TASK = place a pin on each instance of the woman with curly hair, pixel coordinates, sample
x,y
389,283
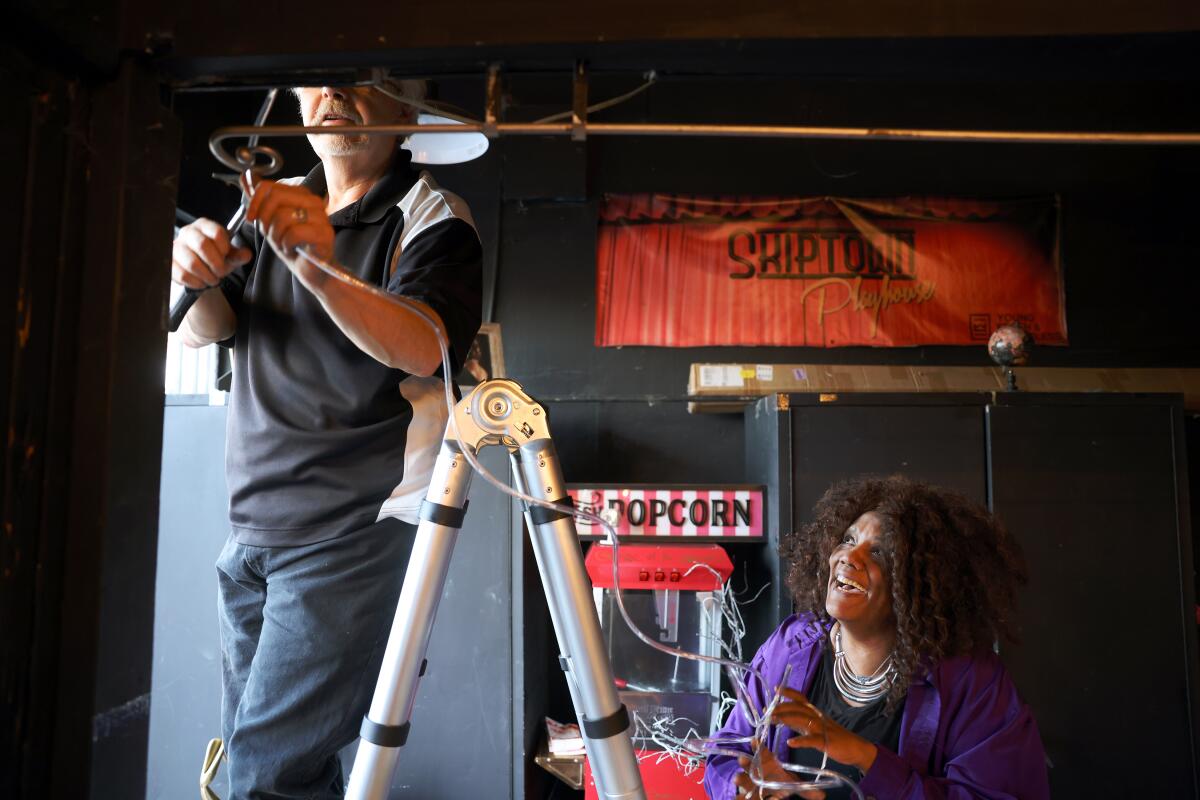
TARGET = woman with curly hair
x,y
902,591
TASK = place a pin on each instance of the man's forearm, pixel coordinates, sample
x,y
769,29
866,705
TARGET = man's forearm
x,y
392,336
210,319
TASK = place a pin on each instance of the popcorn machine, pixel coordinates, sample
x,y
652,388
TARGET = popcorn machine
x,y
671,592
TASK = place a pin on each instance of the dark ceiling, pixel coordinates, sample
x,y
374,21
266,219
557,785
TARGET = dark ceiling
x,y
233,41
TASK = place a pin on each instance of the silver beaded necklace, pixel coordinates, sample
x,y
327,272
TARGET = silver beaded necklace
x,y
862,689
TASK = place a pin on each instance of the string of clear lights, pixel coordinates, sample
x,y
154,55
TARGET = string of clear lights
x,y
818,778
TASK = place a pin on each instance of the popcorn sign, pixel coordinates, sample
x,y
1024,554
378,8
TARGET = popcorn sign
x,y
672,511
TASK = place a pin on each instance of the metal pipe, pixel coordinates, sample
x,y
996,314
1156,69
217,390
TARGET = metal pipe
x,y
902,134
683,129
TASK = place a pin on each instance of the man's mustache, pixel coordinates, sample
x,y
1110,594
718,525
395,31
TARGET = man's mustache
x,y
336,109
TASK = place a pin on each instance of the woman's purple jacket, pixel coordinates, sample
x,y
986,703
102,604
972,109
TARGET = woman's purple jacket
x,y
964,732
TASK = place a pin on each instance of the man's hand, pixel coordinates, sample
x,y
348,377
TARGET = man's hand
x,y
292,217
820,732
768,769
202,255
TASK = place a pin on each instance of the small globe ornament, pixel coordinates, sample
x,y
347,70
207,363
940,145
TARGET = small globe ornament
x,y
1011,346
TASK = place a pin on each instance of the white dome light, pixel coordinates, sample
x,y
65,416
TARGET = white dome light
x,y
444,148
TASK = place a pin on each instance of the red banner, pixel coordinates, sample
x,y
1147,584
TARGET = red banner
x,y
683,271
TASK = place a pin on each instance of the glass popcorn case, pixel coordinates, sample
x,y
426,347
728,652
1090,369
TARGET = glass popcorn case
x,y
670,592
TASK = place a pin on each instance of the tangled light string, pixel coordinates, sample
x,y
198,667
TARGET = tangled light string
x,y
259,161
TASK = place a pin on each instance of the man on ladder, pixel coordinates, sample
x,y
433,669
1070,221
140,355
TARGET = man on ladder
x,y
335,419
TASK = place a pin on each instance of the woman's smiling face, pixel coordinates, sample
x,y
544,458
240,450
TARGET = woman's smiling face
x,y
859,592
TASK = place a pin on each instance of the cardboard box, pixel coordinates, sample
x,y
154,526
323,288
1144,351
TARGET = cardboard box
x,y
717,388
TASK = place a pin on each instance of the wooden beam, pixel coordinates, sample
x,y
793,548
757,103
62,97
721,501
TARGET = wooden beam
x,y
725,388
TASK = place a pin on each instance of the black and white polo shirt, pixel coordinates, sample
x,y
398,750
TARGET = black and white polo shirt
x,y
323,439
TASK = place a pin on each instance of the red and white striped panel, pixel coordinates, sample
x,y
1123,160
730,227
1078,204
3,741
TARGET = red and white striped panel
x,y
670,512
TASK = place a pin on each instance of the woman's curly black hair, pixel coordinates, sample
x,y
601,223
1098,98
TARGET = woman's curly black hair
x,y
953,568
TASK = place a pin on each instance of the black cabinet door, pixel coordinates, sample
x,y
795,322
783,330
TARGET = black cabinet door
x,y
934,438
924,438
800,452
1090,489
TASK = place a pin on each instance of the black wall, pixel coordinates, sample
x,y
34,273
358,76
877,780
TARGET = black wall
x,y
89,182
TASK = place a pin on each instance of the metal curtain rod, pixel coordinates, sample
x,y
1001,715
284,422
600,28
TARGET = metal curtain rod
x,y
579,128
220,135
701,129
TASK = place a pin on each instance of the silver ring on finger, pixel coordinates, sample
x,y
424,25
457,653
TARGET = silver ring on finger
x,y
300,214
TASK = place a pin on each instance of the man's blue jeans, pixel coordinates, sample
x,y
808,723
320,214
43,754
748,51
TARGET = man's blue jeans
x,y
303,631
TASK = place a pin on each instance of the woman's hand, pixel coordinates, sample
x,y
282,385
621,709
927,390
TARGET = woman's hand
x,y
820,732
769,769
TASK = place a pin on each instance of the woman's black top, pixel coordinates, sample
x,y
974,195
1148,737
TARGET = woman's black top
x,y
871,722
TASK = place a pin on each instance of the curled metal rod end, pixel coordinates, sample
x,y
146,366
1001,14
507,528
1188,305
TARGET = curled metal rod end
x,y
258,159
